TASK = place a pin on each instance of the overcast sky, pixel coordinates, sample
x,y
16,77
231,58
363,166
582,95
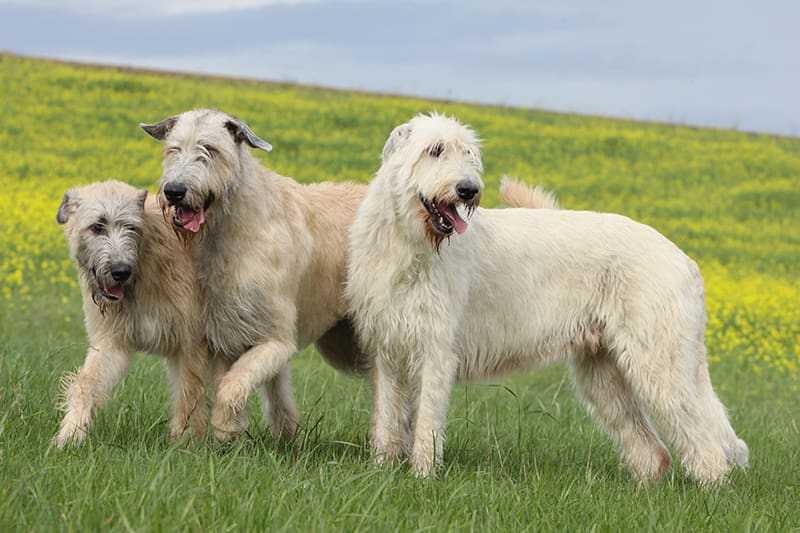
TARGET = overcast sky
x,y
730,64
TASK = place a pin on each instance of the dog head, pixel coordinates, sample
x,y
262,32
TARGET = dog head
x,y
203,154
435,164
103,225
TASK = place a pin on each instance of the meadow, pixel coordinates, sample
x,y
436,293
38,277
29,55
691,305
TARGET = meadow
x,y
522,454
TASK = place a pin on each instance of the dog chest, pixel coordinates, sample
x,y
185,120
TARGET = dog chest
x,y
236,322
148,329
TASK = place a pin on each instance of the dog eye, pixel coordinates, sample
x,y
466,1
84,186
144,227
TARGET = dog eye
x,y
436,150
212,152
172,150
98,228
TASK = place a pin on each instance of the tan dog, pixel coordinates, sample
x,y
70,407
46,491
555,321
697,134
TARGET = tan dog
x,y
139,294
270,255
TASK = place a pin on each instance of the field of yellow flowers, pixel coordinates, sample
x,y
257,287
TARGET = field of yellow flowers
x,y
729,199
521,456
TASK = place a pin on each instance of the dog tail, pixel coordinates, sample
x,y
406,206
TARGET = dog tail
x,y
514,193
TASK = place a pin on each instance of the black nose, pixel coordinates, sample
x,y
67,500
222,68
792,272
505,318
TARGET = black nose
x,y
120,271
174,192
466,189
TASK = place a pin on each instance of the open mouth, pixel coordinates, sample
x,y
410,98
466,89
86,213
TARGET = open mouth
x,y
191,219
115,292
444,217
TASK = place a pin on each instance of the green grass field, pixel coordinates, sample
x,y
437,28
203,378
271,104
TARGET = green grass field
x,y
522,455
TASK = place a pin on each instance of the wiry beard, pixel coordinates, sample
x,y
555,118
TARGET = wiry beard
x,y
434,238
438,227
168,213
103,305
100,302
94,285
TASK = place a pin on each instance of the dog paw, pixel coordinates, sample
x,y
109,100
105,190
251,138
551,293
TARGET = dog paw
x,y
73,429
284,429
184,432
423,469
385,459
226,423
424,465
708,470
228,417
741,454
69,437
647,466
386,453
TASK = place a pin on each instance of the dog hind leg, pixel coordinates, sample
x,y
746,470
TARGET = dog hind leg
x,y
672,398
736,450
611,403
278,406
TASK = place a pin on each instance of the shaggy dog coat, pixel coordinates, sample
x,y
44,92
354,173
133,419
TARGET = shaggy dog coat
x,y
437,297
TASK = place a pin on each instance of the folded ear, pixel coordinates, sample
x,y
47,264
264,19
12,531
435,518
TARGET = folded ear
x,y
396,139
141,197
160,130
242,132
69,203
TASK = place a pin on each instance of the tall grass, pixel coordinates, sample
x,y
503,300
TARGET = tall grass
x,y
522,455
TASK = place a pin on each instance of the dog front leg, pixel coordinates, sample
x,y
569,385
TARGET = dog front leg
x,y
187,372
87,390
259,364
389,410
438,374
219,368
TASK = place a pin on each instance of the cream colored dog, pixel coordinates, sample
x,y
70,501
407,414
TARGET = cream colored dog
x,y
437,296
270,255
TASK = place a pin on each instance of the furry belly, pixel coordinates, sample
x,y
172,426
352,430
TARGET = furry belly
x,y
488,366
532,349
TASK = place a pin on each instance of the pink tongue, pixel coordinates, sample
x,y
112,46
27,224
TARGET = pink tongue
x,y
117,292
189,219
459,224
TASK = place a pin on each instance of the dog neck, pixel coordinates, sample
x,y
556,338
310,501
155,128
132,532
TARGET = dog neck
x,y
257,197
388,222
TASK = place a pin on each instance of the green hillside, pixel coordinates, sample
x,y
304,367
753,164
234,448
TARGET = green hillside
x,y
521,455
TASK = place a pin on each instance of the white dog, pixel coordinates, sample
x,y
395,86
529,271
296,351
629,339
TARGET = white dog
x,y
520,287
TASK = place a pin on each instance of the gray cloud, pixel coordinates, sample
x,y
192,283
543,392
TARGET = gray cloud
x,y
711,63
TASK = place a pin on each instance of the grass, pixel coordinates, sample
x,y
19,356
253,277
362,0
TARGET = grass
x,y
521,456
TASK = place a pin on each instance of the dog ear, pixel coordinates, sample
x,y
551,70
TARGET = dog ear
x,y
242,132
160,130
141,197
398,136
69,203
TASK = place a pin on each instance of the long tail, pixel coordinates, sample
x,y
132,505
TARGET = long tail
x,y
514,193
